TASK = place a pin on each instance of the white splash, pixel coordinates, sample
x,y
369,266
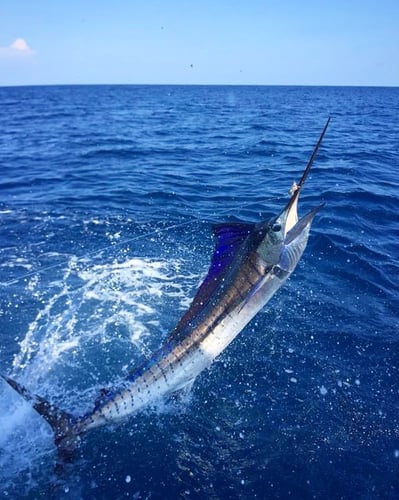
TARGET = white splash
x,y
96,304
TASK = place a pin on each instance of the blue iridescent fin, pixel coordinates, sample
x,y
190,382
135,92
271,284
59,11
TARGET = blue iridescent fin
x,y
229,238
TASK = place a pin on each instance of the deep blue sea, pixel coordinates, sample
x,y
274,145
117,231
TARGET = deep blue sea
x,y
107,199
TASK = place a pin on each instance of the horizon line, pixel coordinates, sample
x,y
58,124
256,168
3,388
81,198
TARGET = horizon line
x,y
195,85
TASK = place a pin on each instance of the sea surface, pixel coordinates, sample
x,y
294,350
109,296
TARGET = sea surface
x,y
107,199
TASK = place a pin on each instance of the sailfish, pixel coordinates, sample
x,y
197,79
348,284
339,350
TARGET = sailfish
x,y
249,264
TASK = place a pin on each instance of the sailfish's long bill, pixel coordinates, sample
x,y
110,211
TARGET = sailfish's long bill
x,y
249,264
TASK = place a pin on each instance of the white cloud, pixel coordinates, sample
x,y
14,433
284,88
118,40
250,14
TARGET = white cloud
x,y
17,48
20,44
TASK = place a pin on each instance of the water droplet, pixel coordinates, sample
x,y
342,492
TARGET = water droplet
x,y
323,390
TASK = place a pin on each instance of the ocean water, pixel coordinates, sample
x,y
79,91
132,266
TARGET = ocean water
x,y
107,199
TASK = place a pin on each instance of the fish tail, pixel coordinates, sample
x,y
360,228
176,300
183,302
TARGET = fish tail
x,y
64,424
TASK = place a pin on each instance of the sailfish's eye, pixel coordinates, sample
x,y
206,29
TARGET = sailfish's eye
x,y
276,227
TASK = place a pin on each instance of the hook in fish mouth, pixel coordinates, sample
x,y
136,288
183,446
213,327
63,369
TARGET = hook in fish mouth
x,y
288,218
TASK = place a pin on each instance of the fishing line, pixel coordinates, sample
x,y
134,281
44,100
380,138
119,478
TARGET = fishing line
x,y
156,232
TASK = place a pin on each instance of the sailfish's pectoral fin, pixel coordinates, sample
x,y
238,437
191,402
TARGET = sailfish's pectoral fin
x,y
258,286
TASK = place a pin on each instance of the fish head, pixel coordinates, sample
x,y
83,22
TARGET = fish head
x,y
284,237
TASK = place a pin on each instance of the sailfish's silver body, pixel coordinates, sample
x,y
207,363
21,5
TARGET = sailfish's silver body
x,y
206,335
249,264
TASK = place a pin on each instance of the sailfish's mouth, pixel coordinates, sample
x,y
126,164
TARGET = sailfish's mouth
x,y
289,215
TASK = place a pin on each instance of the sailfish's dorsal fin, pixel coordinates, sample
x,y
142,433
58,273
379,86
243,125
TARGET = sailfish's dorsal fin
x,y
103,394
229,238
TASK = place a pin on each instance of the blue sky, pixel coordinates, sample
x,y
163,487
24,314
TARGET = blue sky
x,y
269,42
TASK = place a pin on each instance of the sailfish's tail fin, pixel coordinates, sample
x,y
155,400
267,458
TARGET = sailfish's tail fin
x,y
66,434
